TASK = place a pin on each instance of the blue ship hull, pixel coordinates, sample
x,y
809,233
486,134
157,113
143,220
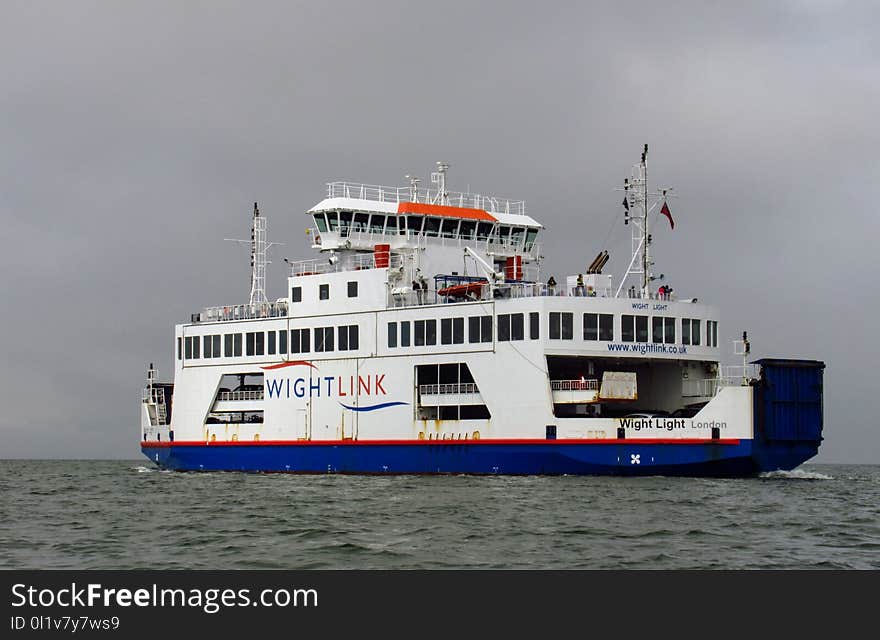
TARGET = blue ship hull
x,y
616,457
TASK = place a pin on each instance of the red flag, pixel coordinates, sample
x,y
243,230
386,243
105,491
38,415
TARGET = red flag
x,y
665,212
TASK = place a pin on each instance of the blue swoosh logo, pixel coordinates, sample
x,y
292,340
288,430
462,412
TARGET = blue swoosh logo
x,y
374,407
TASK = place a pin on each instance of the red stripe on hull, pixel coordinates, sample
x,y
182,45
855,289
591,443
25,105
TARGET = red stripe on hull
x,y
530,441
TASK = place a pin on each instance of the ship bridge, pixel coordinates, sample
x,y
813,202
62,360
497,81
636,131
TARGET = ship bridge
x,y
358,217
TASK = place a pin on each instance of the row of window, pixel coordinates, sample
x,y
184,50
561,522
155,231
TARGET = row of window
x,y
260,343
296,293
418,333
347,222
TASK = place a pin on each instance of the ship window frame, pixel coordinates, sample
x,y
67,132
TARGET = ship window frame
x,y
642,329
188,347
657,329
412,228
696,332
326,343
320,222
406,334
531,237
179,348
606,327
668,330
534,325
302,340
207,346
237,344
418,333
430,332
282,342
484,231
324,291
685,330
458,330
270,343
517,327
296,294
503,327
627,328
332,221
392,335
446,331
352,287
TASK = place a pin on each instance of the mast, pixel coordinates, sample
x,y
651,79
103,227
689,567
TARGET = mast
x,y
637,210
258,258
646,260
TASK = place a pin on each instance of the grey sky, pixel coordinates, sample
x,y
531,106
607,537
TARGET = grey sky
x,y
136,136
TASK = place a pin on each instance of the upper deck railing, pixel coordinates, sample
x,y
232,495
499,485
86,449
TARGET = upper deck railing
x,y
377,193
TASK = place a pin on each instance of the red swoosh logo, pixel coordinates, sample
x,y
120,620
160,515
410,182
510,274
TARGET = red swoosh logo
x,y
292,363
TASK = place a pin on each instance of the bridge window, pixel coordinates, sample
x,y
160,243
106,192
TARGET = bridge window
x,y
414,224
432,227
457,330
206,346
188,349
352,289
360,223
282,342
510,327
451,330
296,294
449,228
300,340
323,292
561,326
195,347
405,333
216,346
695,332
270,347
332,220
534,325
419,330
392,335
446,331
377,223
531,234
344,223
324,339
425,332
227,345
484,230
598,326
348,338
516,236
321,222
237,345
467,229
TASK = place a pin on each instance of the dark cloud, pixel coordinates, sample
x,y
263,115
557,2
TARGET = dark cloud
x,y
135,138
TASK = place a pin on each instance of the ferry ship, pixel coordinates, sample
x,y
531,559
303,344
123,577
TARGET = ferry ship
x,y
424,339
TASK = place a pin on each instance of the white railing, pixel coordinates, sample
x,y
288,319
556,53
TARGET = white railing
x,y
377,193
354,262
590,384
242,312
439,389
226,396
155,395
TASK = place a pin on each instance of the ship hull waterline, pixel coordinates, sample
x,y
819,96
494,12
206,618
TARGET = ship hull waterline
x,y
697,458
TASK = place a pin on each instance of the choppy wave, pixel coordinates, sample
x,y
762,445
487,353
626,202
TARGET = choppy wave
x,y
107,515
796,474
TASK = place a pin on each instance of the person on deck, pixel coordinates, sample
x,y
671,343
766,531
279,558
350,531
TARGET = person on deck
x,y
551,286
